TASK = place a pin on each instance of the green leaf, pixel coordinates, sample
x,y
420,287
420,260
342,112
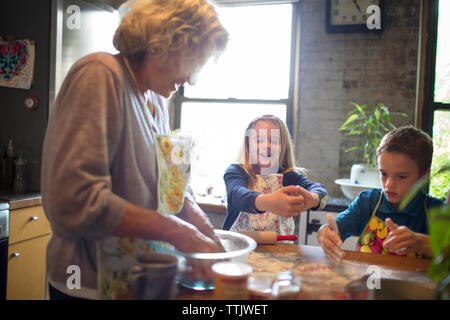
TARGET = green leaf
x,y
350,119
377,115
351,149
372,125
419,185
439,242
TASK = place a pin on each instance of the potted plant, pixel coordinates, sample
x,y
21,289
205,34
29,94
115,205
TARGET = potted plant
x,y
439,226
372,125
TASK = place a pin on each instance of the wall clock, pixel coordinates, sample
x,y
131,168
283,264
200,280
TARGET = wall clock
x,y
352,16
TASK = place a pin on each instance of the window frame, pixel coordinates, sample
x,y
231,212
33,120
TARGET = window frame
x,y
429,105
291,101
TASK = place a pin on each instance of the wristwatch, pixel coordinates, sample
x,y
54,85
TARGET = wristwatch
x,y
323,201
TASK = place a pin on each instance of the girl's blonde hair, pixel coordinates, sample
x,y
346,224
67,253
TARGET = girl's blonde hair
x,y
189,29
286,160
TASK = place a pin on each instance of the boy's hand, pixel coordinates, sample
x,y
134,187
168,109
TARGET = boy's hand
x,y
402,240
330,241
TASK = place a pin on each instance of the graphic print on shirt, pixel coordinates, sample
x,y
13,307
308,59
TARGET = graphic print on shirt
x,y
375,233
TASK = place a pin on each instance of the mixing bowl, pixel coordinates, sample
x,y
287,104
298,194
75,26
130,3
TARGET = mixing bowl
x,y
194,269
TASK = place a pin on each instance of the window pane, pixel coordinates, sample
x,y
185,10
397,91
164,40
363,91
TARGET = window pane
x,y
256,63
442,82
440,184
218,134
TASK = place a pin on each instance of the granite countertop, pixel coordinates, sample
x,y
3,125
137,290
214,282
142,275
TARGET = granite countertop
x,y
337,204
17,201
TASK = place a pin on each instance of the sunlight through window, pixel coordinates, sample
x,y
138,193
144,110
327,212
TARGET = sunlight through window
x,y
251,78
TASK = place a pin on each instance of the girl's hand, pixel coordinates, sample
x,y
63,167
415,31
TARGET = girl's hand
x,y
402,240
310,200
285,202
331,243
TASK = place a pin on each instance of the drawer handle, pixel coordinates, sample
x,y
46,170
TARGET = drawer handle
x,y
34,218
15,254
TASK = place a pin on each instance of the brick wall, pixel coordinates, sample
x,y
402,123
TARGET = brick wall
x,y
336,69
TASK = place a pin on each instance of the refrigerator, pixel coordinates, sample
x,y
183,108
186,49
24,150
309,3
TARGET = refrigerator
x,y
78,28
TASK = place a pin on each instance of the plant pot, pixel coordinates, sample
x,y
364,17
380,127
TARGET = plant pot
x,y
365,175
350,190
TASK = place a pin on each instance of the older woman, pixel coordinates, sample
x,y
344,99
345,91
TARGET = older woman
x,y
99,172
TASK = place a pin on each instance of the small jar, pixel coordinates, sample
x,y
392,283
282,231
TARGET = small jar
x,y
231,280
260,286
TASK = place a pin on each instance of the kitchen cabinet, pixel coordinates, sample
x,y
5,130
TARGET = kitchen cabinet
x,y
29,235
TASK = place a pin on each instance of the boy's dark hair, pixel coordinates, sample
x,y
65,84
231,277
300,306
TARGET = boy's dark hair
x,y
412,142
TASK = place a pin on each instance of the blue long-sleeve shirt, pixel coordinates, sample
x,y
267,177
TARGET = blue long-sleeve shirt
x,y
240,198
353,220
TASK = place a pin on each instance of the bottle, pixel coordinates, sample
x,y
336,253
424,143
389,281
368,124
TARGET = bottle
x,y
19,175
8,168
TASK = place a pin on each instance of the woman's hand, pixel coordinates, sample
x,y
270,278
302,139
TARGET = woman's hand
x,y
402,240
331,242
187,238
193,214
138,222
287,201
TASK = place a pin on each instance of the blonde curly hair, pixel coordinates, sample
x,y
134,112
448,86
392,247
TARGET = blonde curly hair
x,y
188,29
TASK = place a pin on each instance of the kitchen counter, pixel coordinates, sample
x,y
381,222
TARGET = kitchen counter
x,y
336,204
17,201
396,267
210,204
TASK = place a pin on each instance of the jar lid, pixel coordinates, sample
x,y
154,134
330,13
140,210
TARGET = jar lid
x,y
232,269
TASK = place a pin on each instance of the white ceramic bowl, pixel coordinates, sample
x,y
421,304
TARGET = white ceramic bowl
x,y
350,189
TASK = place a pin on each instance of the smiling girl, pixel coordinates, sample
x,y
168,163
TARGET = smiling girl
x,y
264,189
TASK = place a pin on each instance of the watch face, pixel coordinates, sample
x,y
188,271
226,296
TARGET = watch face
x,y
350,12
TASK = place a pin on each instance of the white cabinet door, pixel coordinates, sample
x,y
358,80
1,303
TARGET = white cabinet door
x,y
318,218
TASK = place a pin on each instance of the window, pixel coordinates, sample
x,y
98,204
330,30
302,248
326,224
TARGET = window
x,y
254,76
436,111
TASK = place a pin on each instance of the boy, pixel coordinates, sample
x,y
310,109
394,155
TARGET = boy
x,y
404,156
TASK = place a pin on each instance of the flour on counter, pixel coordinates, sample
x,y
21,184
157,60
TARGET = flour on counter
x,y
267,263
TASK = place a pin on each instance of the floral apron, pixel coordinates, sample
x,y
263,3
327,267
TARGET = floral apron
x,y
375,232
116,256
266,221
